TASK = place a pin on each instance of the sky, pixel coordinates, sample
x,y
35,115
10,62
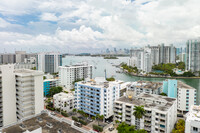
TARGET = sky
x,y
75,26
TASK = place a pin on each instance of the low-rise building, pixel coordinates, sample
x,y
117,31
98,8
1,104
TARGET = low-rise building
x,y
185,94
97,96
160,116
186,97
145,87
64,101
48,83
192,123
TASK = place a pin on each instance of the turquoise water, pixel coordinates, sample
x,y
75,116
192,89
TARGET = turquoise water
x,y
102,64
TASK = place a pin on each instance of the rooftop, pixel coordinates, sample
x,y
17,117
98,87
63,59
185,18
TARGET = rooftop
x,y
28,72
159,102
147,84
63,96
51,80
41,121
194,113
182,85
102,83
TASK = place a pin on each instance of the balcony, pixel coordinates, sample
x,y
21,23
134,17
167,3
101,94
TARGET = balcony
x,y
128,109
128,118
118,110
117,106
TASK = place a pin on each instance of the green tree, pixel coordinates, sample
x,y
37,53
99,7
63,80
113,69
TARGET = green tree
x,y
188,74
34,68
110,79
180,127
74,110
139,112
54,90
181,65
125,128
163,94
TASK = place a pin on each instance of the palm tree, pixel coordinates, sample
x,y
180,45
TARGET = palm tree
x,y
101,117
139,112
74,110
97,117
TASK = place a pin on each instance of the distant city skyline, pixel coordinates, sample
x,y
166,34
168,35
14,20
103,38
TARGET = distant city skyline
x,y
74,26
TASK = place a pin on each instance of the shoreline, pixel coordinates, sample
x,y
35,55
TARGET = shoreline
x,y
159,76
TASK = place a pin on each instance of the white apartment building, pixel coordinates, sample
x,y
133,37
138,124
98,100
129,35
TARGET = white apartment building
x,y
145,87
98,96
29,92
64,101
148,56
21,93
161,112
186,97
141,59
24,65
192,123
193,55
70,74
49,62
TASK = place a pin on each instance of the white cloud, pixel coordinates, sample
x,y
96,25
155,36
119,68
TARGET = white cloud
x,y
49,17
3,23
104,23
84,37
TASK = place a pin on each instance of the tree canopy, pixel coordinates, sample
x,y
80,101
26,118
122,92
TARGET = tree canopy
x,y
110,79
139,112
163,94
125,128
180,127
54,90
129,68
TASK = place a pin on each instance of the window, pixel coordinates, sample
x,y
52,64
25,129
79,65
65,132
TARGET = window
x,y
195,129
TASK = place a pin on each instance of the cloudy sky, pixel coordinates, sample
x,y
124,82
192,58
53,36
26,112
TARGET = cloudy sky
x,y
92,25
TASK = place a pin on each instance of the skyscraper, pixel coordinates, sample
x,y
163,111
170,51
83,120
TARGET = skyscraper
x,y
49,62
193,55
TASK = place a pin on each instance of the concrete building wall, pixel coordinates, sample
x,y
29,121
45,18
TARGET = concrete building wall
x,y
8,94
38,90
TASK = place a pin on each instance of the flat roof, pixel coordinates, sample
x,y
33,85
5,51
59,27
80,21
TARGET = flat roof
x,y
194,113
50,80
159,102
103,84
28,72
183,85
147,84
33,124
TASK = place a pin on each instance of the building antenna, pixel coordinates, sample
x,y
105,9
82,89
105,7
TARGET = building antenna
x,y
105,74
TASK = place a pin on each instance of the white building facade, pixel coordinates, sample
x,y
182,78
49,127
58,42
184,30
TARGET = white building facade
x,y
21,94
148,56
145,87
186,97
193,55
49,62
160,117
97,96
64,101
70,74
192,123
